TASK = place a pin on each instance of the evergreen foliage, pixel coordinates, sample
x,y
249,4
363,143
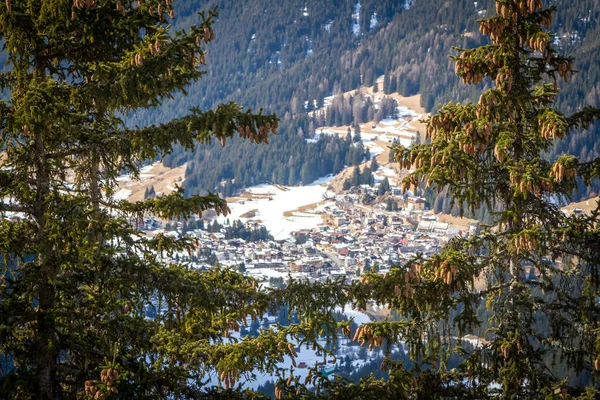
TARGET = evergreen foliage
x,y
384,187
77,281
540,267
238,230
359,178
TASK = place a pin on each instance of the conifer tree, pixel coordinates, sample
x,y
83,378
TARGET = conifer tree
x,y
534,274
384,187
77,281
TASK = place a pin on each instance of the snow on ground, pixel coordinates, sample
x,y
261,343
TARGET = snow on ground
x,y
375,151
406,112
323,180
266,272
277,200
124,178
388,121
148,168
144,173
385,172
122,194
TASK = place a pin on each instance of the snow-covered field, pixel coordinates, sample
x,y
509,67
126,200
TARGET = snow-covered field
x,y
385,172
275,201
122,194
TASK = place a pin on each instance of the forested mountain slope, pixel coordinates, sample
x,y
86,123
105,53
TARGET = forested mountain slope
x,y
286,58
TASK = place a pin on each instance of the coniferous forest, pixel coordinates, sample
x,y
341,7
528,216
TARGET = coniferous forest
x,y
289,62
93,308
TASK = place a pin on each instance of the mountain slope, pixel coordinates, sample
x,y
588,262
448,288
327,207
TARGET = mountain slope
x,y
287,58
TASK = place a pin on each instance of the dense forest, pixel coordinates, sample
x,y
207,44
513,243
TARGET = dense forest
x,y
289,62
289,161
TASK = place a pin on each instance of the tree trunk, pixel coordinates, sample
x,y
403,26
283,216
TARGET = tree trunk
x,y
46,352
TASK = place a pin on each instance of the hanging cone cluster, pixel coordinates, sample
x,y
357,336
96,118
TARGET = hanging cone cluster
x,y
446,271
440,122
92,391
262,136
232,325
538,42
308,378
525,242
154,48
229,378
120,8
108,377
411,277
494,28
418,161
137,60
465,68
409,183
170,12
500,152
404,158
202,58
80,4
504,81
560,172
289,350
278,392
384,365
505,350
347,330
208,35
479,138
192,59
222,209
514,8
522,183
493,61
365,334
487,102
472,148
552,129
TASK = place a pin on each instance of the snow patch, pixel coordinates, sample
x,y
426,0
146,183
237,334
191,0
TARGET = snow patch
x,y
122,194
374,21
356,20
276,201
388,121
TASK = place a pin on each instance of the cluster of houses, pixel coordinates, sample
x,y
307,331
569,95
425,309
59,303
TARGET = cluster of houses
x,y
352,239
